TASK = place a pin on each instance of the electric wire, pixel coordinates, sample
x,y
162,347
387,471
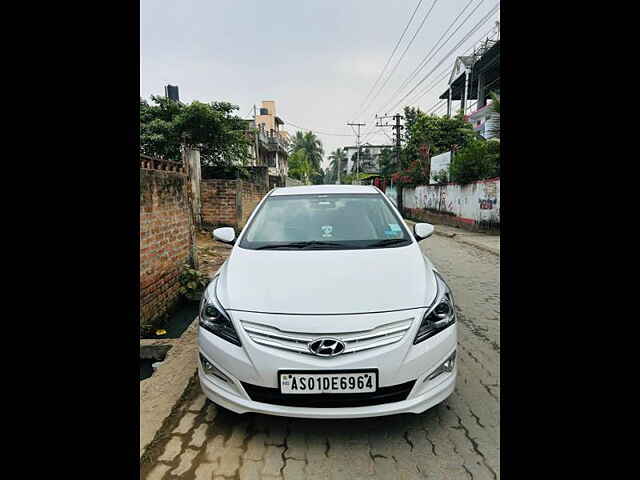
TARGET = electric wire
x,y
449,53
429,56
384,69
370,103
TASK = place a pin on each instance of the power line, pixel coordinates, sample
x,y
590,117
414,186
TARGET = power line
x,y
358,147
424,92
429,56
444,72
450,52
317,131
390,57
402,56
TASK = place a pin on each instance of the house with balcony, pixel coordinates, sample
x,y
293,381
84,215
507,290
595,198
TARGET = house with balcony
x,y
269,147
474,77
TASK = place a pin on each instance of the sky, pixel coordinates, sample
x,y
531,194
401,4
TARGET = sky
x,y
317,59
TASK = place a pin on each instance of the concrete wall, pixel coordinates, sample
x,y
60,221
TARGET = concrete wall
x,y
229,202
166,239
475,206
392,193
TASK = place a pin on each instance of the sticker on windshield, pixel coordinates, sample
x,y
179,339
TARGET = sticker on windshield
x,y
393,230
327,231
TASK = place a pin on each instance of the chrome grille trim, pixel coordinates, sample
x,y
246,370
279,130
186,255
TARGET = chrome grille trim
x,y
356,341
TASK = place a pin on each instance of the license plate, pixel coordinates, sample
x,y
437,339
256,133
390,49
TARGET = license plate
x,y
328,382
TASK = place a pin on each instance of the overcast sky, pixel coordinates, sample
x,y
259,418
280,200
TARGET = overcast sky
x,y
317,59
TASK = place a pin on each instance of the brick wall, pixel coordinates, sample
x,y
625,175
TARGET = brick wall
x,y
229,202
251,196
166,239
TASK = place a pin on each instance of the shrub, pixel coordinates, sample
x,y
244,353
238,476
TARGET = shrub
x,y
480,159
441,176
193,282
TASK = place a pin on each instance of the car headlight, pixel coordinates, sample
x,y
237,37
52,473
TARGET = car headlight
x,y
215,319
439,315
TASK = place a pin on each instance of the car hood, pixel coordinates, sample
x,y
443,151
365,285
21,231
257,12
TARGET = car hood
x,y
326,281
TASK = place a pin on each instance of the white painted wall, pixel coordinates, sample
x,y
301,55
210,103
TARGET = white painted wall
x,y
392,193
479,201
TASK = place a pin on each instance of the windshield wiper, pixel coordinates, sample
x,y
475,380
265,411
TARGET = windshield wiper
x,y
387,241
302,245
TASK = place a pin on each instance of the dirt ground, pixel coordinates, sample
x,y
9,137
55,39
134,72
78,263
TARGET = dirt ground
x,y
211,253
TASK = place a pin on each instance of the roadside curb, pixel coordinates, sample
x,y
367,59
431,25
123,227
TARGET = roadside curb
x,y
161,393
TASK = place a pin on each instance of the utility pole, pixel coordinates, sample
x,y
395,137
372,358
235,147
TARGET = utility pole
x,y
255,124
397,127
358,147
339,163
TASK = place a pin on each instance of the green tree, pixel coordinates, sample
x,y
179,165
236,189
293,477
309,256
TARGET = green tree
x,y
212,128
440,133
478,160
388,162
441,176
300,166
338,159
312,146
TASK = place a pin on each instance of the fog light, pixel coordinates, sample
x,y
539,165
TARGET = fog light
x,y
445,367
210,369
449,363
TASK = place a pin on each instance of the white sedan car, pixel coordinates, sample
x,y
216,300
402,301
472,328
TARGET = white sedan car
x,y
327,308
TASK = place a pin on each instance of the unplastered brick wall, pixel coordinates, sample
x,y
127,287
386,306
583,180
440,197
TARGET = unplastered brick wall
x,y
166,240
251,196
229,202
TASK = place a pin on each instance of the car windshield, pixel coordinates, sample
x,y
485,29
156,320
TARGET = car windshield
x,y
325,221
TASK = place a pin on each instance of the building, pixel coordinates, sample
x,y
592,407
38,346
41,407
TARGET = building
x,y
272,141
482,121
474,77
369,158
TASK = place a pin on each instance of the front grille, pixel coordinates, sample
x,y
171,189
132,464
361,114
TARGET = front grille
x,y
394,393
354,341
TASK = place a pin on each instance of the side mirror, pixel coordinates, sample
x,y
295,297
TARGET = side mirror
x,y
422,230
225,235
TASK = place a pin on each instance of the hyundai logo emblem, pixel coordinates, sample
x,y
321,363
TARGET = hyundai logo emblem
x,y
326,347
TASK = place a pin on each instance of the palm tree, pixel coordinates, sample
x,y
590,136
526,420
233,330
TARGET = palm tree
x,y
311,145
300,167
337,157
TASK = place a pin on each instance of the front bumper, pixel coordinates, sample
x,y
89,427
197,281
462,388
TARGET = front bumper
x,y
397,364
419,404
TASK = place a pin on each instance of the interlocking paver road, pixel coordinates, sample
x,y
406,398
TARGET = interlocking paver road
x,y
457,440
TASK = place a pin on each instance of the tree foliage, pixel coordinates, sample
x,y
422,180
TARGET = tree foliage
x,y
388,162
338,160
440,133
441,176
211,127
300,166
312,146
480,159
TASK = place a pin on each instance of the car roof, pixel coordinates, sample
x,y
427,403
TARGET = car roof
x,y
324,189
